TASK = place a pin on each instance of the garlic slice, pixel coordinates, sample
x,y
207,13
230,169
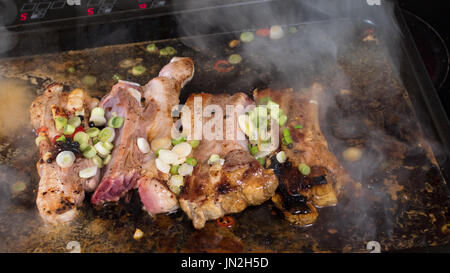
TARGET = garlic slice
x,y
162,166
65,159
168,156
143,145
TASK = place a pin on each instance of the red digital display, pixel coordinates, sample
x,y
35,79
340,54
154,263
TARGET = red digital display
x,y
90,11
143,6
24,16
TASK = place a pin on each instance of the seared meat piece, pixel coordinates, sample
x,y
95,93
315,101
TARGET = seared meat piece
x,y
219,141
61,190
215,190
129,168
161,96
309,145
122,172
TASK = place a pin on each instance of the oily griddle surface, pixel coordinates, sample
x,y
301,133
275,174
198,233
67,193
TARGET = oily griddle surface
x,y
400,201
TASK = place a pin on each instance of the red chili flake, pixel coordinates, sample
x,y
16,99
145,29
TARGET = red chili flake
x,y
55,138
369,31
78,129
223,66
263,32
42,129
226,221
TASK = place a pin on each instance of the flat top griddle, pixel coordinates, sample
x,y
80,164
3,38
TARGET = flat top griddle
x,y
403,200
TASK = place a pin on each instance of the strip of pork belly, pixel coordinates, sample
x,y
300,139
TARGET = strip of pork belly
x,y
215,190
161,95
123,171
60,190
309,145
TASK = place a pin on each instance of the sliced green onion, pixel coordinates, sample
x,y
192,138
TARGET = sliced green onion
x,y
304,169
89,80
65,159
194,143
292,30
234,59
18,187
39,139
287,136
167,51
108,145
115,122
81,137
97,161
247,37
185,169
61,138
176,141
281,157
174,169
298,127
151,48
170,50
254,150
276,32
83,146
157,152
261,161
214,158
98,120
69,129
116,77
95,140
138,70
101,149
106,134
75,121
89,152
175,184
60,122
264,100
191,161
71,69
97,111
107,159
282,120
92,132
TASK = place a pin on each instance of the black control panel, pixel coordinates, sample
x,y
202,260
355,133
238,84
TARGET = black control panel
x,y
38,11
29,12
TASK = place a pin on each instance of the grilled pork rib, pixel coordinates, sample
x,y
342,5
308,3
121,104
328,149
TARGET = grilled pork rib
x,y
161,95
122,172
309,147
60,190
129,168
215,190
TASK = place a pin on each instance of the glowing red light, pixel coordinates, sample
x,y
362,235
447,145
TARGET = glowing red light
x,y
143,6
23,16
90,11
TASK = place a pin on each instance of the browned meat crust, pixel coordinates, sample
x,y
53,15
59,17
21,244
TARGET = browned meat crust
x,y
60,190
309,147
215,190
